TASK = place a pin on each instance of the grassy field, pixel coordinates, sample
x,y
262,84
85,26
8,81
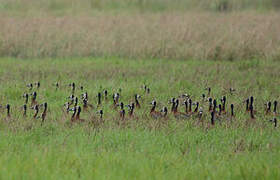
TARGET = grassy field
x,y
173,47
142,148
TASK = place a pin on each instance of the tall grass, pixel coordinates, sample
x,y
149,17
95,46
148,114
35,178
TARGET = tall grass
x,y
230,36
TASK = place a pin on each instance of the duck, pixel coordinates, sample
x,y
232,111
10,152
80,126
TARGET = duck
x,y
73,117
131,109
30,86
210,104
196,107
275,107
268,108
77,118
164,110
190,106
136,98
99,99
85,96
105,92
26,96
24,110
153,113
86,105
213,118
252,111
44,113
8,107
37,84
179,115
224,104
100,112
122,111
116,97
247,105
186,103
33,99
36,108
71,99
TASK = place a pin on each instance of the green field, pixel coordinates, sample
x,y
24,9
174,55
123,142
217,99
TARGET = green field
x,y
142,147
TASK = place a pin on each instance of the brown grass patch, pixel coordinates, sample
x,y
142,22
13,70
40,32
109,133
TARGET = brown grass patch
x,y
218,36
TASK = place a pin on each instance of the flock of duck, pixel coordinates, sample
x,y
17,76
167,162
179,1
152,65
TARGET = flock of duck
x,y
216,108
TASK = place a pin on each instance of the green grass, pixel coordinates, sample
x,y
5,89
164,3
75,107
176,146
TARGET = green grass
x,y
62,7
143,148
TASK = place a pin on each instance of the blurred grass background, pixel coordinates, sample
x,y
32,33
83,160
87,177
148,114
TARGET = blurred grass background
x,y
165,29
74,6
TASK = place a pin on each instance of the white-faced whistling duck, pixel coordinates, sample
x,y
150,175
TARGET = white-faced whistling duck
x,y
86,105
190,106
200,113
24,110
26,96
179,115
164,111
76,101
77,118
105,92
212,118
172,101
85,95
220,110
33,99
214,105
122,111
247,105
116,97
251,104
252,111
186,103
131,109
275,107
232,110
274,120
137,97
210,104
100,114
8,110
71,99
30,85
99,99
38,84
36,108
224,99
67,107
153,113
73,117
268,108
44,113
196,107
